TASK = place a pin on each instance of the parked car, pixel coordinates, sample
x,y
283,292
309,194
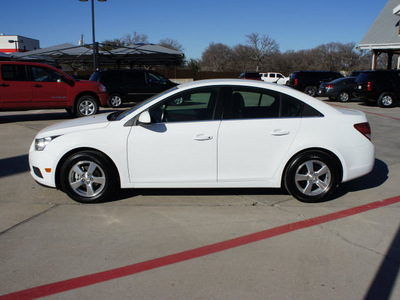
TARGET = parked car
x,y
341,89
355,73
250,75
380,86
309,81
274,78
28,85
230,133
131,85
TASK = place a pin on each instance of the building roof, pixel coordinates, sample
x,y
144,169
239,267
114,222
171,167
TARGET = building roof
x,y
384,33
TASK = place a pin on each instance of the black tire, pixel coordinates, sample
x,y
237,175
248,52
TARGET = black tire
x,y
115,100
343,96
311,91
86,106
88,177
386,100
311,176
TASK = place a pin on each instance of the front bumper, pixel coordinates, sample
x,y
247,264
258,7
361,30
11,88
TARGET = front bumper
x,y
42,166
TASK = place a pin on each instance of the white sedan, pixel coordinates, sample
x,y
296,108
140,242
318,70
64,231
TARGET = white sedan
x,y
208,134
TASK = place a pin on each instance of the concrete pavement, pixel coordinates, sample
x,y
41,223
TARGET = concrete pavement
x,y
45,237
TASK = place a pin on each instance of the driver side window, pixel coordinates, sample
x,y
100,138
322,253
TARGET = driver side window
x,y
197,105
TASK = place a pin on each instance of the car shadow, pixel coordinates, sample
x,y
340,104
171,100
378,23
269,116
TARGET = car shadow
x,y
14,165
375,178
47,116
131,193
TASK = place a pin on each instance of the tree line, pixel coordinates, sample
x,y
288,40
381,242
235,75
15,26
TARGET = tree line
x,y
261,53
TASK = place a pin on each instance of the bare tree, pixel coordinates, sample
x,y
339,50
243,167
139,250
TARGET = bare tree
x,y
216,57
261,46
135,38
171,44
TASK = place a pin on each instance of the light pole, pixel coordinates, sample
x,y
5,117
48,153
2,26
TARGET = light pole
x,y
95,46
16,44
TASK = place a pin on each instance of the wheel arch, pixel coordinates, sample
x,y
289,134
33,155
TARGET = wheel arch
x,y
87,93
76,150
316,149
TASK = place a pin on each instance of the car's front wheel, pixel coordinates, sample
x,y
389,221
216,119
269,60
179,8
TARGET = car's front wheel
x,y
88,177
386,100
86,106
311,176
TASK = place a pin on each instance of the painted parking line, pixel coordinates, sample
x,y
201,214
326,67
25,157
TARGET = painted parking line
x,y
78,282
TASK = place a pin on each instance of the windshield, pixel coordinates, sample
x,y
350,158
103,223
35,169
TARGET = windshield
x,y
120,115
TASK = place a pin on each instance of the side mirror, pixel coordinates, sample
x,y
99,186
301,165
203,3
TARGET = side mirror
x,y
145,118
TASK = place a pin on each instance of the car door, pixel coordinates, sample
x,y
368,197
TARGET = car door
x,y
135,86
15,89
48,89
180,145
256,132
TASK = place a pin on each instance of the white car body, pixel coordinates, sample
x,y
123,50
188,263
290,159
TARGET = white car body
x,y
211,153
273,77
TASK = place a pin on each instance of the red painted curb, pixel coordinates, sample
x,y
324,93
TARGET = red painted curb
x,y
78,282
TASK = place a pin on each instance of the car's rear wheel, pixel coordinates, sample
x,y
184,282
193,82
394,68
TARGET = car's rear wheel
x,y
310,90
311,176
115,100
88,177
86,106
343,96
386,100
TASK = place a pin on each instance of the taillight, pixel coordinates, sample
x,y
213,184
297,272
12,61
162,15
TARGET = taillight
x,y
296,82
364,128
329,86
369,86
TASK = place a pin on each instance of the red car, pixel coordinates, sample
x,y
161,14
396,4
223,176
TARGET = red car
x,y
25,85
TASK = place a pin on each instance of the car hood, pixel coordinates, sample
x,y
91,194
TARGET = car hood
x,y
85,123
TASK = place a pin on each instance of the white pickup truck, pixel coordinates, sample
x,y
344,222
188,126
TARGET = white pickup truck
x,y
274,78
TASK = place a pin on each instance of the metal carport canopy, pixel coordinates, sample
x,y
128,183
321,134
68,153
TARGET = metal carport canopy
x,y
139,54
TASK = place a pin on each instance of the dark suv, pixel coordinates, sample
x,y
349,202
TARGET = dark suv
x,y
309,81
380,86
131,85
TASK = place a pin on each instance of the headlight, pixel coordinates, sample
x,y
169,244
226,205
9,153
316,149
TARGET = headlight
x,y
40,144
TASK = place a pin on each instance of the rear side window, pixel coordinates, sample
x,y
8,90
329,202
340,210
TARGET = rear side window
x,y
14,73
134,79
113,77
250,103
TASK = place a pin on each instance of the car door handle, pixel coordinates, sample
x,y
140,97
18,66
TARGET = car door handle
x,y
4,85
37,85
203,137
280,132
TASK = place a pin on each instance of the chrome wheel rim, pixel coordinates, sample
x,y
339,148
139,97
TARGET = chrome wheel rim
x,y
343,97
313,178
116,101
87,108
87,179
387,100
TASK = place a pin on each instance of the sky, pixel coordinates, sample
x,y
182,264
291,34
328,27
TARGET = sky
x,y
293,24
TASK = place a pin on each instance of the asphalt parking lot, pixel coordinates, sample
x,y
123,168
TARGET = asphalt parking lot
x,y
199,244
